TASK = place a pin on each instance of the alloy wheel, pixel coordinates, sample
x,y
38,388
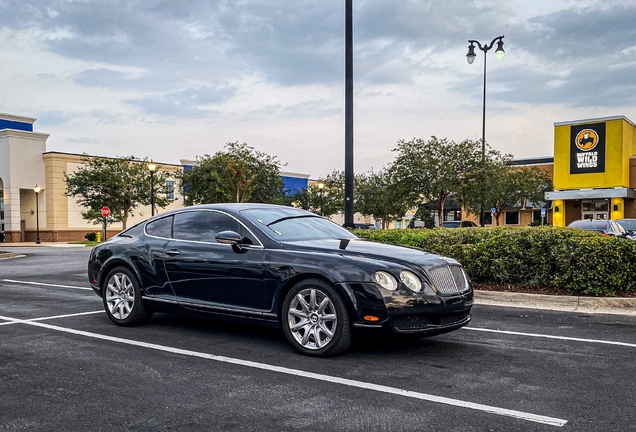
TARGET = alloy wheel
x,y
120,296
312,319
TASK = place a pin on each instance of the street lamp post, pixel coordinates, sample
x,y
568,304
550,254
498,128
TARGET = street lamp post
x,y
152,167
321,186
37,190
499,53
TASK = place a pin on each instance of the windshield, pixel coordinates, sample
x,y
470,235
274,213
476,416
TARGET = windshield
x,y
294,224
629,225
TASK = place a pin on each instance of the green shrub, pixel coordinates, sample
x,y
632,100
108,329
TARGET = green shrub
x,y
564,259
91,236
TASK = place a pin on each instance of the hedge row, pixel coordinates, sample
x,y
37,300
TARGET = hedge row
x,y
563,259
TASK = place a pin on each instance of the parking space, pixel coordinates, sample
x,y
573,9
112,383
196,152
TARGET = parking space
x,y
69,367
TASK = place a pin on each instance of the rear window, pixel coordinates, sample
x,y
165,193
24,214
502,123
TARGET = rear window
x,y
160,228
589,225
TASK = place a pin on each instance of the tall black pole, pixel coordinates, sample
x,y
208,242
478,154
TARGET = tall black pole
x,y
37,218
348,114
482,220
152,193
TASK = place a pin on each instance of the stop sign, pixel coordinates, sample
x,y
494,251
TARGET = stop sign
x,y
105,211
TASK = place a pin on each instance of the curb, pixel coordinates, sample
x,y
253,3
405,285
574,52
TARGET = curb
x,y
599,305
43,244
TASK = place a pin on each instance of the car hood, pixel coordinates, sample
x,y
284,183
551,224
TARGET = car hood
x,y
371,250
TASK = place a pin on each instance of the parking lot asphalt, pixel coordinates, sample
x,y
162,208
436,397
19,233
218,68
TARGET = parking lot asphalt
x,y
63,365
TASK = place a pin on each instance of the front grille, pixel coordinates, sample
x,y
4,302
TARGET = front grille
x,y
448,279
453,318
410,322
422,321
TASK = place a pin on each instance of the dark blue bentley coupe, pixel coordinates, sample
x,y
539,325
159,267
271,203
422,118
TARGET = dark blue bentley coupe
x,y
277,266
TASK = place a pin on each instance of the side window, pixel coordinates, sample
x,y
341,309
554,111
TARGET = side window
x,y
160,228
203,226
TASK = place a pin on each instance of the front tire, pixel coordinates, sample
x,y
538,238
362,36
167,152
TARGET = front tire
x,y
122,298
316,320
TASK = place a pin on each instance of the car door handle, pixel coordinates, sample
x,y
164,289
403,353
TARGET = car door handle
x,y
172,252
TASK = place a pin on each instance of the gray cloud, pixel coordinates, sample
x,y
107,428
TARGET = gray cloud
x,y
189,52
184,103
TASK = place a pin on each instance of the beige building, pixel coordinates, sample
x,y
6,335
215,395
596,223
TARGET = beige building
x,y
25,164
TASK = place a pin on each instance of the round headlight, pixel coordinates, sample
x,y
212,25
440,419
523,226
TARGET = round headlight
x,y
411,281
385,280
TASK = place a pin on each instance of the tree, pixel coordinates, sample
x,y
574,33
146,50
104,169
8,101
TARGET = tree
x,y
122,184
238,174
424,215
434,169
379,195
332,195
505,185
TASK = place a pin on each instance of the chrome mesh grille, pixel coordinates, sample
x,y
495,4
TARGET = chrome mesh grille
x,y
422,321
448,279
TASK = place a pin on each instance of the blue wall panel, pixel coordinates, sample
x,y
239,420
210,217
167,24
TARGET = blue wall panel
x,y
7,124
294,184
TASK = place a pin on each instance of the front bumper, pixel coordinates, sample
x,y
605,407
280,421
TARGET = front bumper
x,y
405,312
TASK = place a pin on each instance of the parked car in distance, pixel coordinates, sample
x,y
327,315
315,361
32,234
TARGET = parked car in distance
x,y
606,227
629,225
364,226
281,267
458,224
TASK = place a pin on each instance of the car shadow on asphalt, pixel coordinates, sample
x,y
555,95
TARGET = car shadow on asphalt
x,y
240,336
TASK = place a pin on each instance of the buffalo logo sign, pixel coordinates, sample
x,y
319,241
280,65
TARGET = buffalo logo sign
x,y
587,139
587,148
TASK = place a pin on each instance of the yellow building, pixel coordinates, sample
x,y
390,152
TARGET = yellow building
x,y
594,170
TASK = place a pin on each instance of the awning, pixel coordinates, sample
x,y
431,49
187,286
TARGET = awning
x,y
620,192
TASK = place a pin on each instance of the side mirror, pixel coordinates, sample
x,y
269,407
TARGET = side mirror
x,y
232,238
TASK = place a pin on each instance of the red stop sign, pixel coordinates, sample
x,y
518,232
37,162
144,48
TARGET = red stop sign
x,y
105,211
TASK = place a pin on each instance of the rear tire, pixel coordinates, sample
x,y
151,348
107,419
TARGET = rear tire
x,y
316,319
122,298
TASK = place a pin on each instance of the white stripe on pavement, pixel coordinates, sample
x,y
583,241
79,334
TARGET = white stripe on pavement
x,y
45,284
551,337
303,374
12,321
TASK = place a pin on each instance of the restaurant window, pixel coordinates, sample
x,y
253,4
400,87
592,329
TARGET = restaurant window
x,y
512,218
170,189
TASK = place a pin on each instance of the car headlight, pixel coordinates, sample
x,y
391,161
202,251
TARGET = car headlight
x,y
411,281
385,280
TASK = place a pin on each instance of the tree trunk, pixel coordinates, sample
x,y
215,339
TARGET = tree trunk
x,y
440,209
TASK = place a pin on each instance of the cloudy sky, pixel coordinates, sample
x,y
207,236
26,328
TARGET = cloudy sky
x,y
170,80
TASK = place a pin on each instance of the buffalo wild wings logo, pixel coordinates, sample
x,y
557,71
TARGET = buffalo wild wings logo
x,y
586,140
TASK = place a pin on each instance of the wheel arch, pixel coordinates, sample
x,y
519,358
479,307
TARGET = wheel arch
x,y
111,265
346,293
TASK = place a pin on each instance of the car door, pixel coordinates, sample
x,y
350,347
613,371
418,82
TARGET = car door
x,y
210,276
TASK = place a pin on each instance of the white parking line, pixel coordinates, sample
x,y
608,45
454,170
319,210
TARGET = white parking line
x,y
304,374
551,337
14,321
45,284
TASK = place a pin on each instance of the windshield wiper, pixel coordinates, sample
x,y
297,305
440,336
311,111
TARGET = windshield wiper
x,y
289,217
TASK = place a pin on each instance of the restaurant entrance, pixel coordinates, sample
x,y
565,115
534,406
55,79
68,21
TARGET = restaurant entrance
x,y
595,209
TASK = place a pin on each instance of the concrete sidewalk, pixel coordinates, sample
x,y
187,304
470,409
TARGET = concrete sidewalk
x,y
599,305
